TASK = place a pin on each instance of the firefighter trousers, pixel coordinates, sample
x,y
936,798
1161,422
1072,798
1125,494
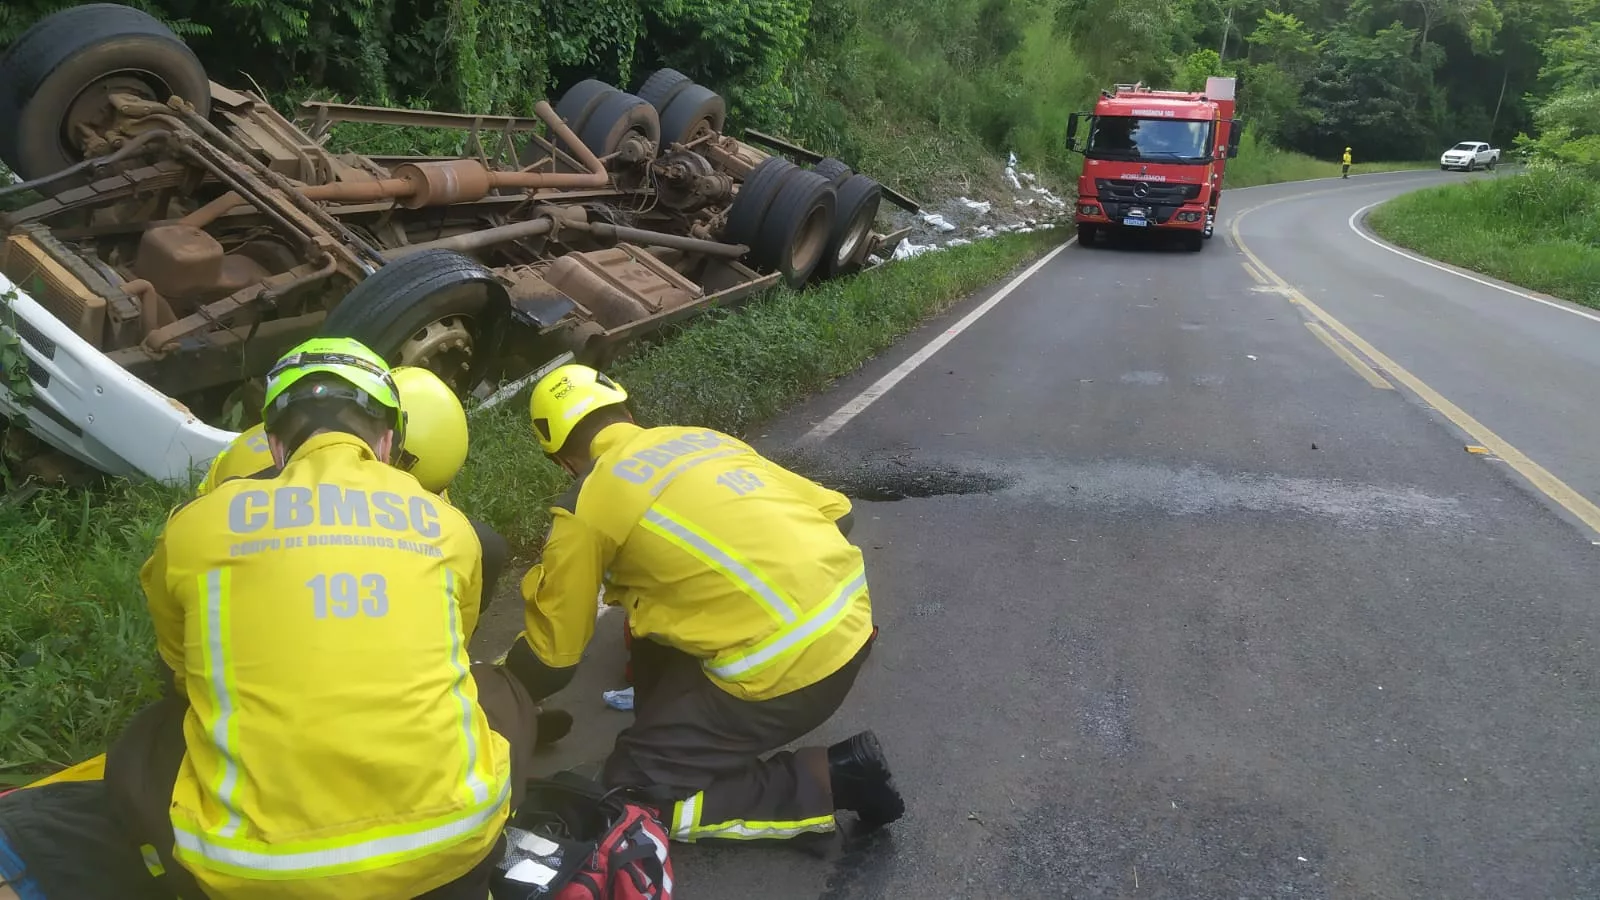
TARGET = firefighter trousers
x,y
695,750
142,767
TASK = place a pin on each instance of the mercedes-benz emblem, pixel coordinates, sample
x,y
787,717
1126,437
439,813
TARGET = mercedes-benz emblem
x,y
1141,190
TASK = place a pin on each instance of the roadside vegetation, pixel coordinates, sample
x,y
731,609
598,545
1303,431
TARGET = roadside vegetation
x,y
76,648
1262,163
1541,229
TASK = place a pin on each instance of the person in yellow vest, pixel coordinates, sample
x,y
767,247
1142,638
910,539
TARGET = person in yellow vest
x,y
1347,162
747,605
436,448
326,734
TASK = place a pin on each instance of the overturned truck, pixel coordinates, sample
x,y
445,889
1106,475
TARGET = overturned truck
x,y
171,237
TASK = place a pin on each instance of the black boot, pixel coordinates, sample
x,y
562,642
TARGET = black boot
x,y
861,780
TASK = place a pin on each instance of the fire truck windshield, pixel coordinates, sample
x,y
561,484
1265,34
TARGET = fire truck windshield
x,y
1166,140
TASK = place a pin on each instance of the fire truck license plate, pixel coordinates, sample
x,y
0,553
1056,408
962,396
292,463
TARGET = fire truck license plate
x,y
1136,219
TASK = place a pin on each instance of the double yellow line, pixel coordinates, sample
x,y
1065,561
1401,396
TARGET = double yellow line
x,y
1579,506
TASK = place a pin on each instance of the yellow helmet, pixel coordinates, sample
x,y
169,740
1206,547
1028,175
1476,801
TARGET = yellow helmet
x,y
436,427
562,398
247,455
436,436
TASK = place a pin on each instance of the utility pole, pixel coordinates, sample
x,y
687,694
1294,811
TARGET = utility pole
x,y
1227,29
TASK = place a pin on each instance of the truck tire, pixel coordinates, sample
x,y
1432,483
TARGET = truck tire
x,y
855,212
834,170
52,76
574,108
793,239
1087,234
616,117
1493,161
1193,241
694,110
580,100
755,195
436,308
662,86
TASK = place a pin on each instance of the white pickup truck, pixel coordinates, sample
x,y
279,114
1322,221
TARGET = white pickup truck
x,y
1469,155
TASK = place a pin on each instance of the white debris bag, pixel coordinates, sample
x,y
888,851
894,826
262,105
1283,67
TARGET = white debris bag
x,y
957,242
938,222
981,208
907,250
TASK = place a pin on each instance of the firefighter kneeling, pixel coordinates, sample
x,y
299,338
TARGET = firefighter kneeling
x,y
747,605
327,735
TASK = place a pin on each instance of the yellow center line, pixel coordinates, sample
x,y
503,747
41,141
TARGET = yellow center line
x,y
1354,361
1259,278
1562,494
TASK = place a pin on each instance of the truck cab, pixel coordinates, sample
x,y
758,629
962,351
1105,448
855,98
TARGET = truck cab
x,y
1154,160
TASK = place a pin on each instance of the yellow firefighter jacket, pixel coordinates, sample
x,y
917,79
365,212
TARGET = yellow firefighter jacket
x,y
317,620
711,549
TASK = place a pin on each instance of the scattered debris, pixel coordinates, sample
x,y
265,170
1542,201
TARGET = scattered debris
x,y
619,700
939,222
907,250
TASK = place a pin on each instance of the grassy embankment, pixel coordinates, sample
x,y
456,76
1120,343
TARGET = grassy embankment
x,y
1540,230
76,649
1261,163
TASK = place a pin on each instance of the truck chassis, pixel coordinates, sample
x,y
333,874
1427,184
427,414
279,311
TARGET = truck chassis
x,y
174,236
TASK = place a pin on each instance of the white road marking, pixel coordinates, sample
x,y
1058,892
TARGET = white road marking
x,y
1555,304
831,425
855,407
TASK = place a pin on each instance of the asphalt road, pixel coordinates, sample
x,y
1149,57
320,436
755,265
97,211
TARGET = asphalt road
x,y
1214,612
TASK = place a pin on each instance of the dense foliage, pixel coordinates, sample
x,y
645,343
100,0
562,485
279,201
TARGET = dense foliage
x,y
1393,78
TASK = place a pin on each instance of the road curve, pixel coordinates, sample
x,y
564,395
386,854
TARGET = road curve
x,y
1185,595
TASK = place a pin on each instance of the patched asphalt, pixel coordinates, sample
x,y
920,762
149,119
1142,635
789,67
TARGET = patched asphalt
x,y
1175,604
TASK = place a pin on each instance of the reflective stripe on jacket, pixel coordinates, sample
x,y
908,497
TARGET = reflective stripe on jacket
x,y
711,549
318,620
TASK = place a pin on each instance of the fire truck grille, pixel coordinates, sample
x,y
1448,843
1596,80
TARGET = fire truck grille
x,y
1160,201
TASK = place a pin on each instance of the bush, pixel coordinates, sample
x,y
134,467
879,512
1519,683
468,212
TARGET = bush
x,y
1540,230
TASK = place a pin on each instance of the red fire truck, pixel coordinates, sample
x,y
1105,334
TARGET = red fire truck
x,y
1153,160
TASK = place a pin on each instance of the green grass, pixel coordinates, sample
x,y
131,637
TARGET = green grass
x,y
77,654
1261,163
1540,230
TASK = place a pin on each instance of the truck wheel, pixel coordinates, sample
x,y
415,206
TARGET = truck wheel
x,y
755,195
57,77
615,118
694,111
834,170
793,238
1491,164
855,212
662,85
580,100
1087,234
436,309
1194,241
